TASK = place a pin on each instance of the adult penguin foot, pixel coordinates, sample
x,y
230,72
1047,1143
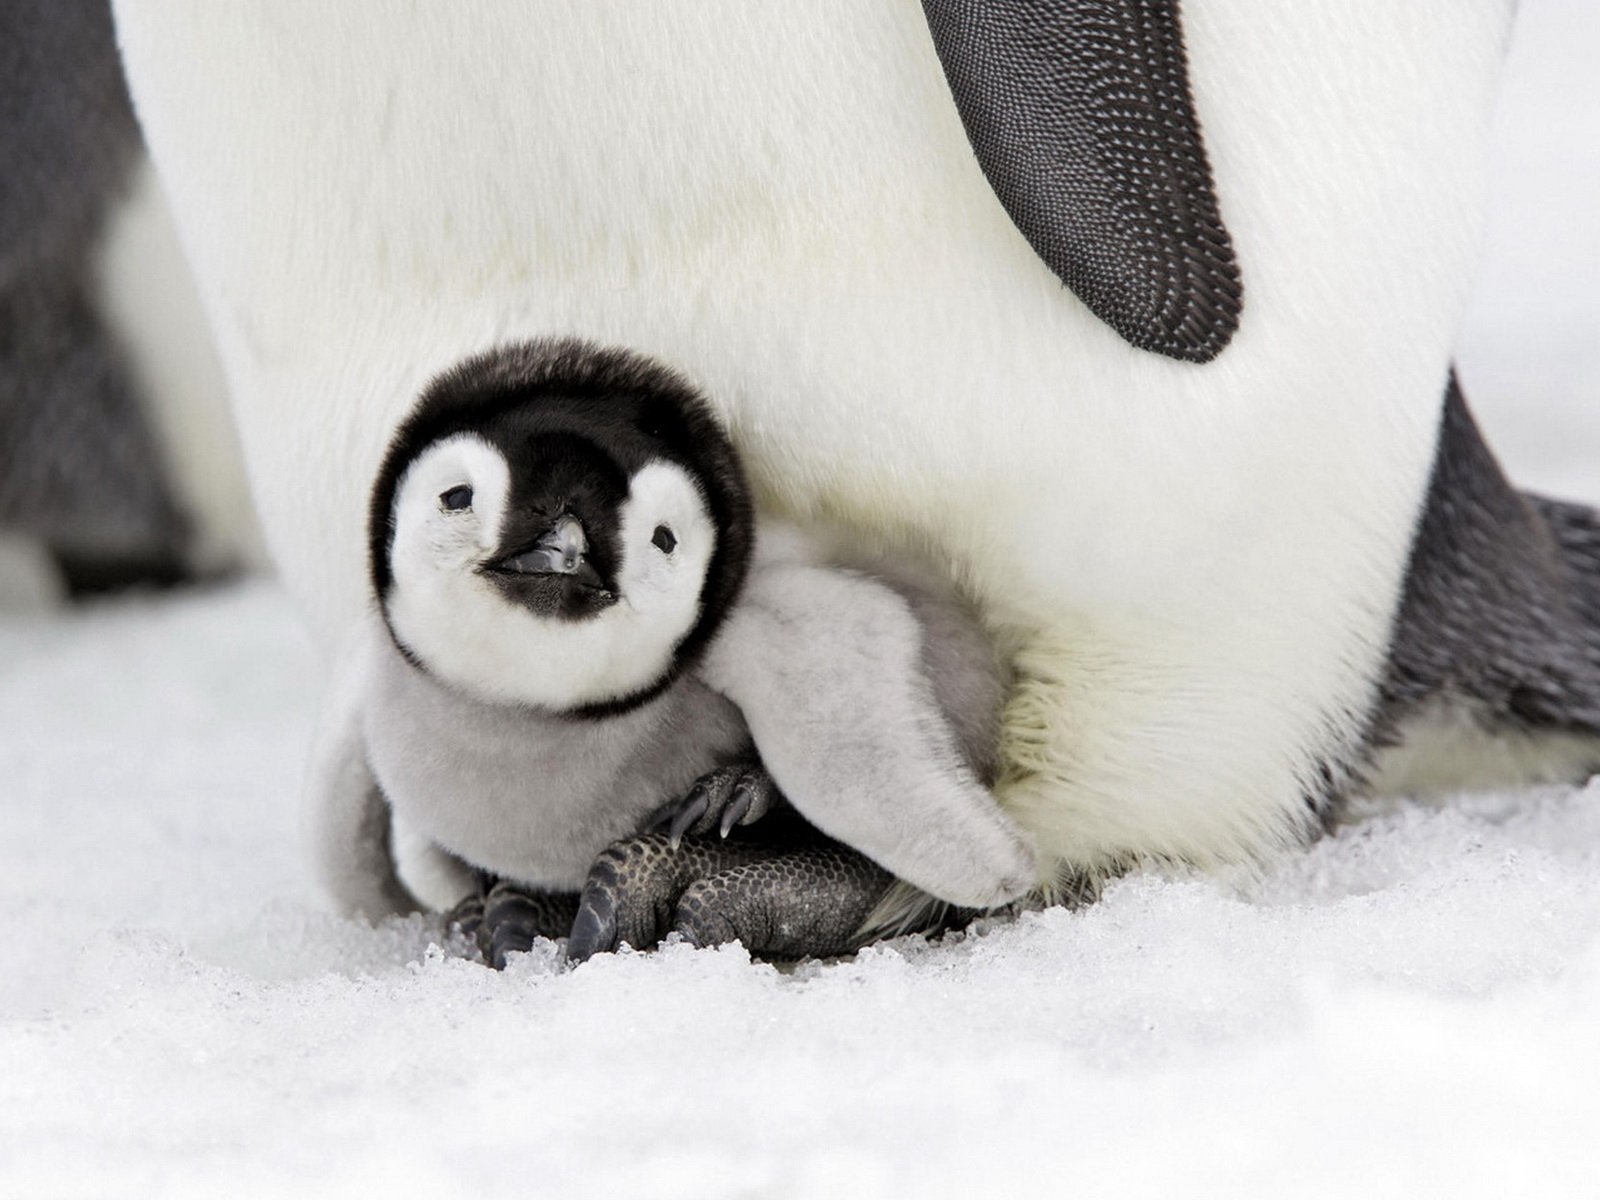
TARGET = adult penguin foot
x,y
783,902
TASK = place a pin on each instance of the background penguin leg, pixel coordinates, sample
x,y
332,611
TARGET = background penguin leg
x,y
1499,626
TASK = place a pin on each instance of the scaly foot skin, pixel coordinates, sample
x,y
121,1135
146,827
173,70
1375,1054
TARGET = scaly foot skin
x,y
738,794
505,917
791,901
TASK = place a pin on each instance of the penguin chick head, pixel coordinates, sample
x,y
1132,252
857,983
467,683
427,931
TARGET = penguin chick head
x,y
558,526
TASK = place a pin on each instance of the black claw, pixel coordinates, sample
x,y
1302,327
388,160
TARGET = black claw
x,y
737,794
669,814
693,809
738,808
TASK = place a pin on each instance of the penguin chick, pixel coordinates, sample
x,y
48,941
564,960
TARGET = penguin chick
x,y
574,625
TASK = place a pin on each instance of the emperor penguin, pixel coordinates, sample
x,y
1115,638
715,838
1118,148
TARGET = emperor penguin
x,y
565,649
1137,317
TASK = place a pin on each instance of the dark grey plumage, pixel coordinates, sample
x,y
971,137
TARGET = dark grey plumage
x,y
79,467
1081,117
1501,606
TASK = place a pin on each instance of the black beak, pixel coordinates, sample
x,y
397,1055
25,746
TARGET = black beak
x,y
561,550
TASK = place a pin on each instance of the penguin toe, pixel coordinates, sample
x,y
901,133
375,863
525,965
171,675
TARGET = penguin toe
x,y
633,889
512,917
594,929
805,898
753,797
705,917
737,794
809,902
622,898
466,917
689,818
736,813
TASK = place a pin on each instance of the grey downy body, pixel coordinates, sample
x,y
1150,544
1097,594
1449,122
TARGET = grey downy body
x,y
488,712
530,795
533,795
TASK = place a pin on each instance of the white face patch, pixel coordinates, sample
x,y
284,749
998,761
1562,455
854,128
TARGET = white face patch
x,y
466,630
667,541
436,546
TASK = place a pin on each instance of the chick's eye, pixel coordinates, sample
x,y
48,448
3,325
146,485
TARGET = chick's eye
x,y
663,540
456,498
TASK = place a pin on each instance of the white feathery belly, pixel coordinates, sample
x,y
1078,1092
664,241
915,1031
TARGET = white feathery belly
x,y
1196,566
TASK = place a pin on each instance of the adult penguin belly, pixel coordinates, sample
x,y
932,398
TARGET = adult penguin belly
x,y
1188,519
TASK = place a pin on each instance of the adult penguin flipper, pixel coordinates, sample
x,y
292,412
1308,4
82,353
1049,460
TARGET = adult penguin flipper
x,y
825,666
1081,117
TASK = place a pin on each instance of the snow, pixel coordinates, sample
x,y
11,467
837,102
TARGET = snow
x,y
1407,1009
1410,1001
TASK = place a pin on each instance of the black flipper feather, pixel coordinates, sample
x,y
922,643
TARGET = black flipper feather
x,y
1081,117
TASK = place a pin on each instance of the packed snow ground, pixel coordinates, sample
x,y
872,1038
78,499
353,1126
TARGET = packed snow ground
x,y
1410,1008
1414,1000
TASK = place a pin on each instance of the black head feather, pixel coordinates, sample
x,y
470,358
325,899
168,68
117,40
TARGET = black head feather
x,y
609,413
